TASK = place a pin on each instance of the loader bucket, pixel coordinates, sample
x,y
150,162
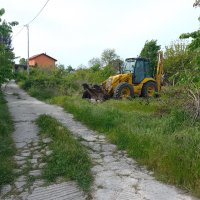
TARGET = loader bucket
x,y
94,92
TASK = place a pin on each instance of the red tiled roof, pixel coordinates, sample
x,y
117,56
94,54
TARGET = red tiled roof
x,y
35,56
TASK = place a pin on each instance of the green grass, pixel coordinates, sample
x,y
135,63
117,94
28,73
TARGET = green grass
x,y
7,148
157,135
69,159
41,94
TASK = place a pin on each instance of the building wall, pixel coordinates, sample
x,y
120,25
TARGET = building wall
x,y
42,61
31,62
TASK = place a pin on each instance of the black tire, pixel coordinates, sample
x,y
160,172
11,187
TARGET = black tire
x,y
149,89
123,90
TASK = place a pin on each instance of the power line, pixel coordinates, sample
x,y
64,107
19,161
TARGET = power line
x,y
38,12
18,32
31,20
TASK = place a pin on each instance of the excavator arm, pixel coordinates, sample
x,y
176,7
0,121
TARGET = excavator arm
x,y
159,70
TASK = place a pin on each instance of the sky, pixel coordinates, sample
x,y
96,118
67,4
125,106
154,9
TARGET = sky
x,y
75,31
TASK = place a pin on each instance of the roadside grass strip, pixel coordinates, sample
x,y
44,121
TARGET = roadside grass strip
x,y
69,159
162,138
7,148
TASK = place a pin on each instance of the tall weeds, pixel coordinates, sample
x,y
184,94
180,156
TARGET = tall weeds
x,y
7,148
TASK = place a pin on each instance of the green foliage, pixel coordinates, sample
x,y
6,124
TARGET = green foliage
x,y
177,60
182,66
7,149
45,84
195,44
150,51
2,11
69,159
158,133
6,54
109,58
193,67
95,68
70,69
108,55
94,62
117,65
22,61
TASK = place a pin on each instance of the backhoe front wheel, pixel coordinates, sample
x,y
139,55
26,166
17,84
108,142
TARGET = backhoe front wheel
x,y
149,89
123,90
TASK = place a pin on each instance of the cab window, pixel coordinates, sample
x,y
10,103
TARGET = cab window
x,y
139,73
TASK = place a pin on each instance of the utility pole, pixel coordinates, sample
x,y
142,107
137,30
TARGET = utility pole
x,y
27,26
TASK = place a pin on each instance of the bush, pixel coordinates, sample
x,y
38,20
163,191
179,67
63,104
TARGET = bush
x,y
45,84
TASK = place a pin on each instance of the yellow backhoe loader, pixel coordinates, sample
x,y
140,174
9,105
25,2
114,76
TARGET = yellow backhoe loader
x,y
137,78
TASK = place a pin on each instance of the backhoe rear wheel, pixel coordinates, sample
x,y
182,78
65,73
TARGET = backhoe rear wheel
x,y
149,89
123,90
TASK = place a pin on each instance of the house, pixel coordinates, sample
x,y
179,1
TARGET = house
x,y
42,60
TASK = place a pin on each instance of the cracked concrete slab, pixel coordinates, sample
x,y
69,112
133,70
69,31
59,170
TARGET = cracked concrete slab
x,y
57,191
116,177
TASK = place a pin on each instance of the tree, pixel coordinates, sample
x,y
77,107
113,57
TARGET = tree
x,y
177,59
108,56
70,69
6,50
95,68
195,44
94,61
194,49
23,61
81,66
150,51
196,3
117,64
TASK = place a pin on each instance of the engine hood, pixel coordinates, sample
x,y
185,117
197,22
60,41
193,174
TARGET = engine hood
x,y
113,81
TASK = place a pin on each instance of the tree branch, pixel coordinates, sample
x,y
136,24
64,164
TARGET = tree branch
x,y
196,3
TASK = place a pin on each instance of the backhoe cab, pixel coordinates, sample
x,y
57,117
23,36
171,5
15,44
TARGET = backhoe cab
x,y
137,78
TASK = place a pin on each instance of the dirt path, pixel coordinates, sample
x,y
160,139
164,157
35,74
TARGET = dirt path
x,y
117,177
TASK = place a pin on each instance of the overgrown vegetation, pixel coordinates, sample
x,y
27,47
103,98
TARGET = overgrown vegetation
x,y
150,51
182,66
44,84
6,50
157,133
160,133
69,158
7,149
182,60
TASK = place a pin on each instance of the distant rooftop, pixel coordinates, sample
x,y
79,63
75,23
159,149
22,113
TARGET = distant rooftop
x,y
35,56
